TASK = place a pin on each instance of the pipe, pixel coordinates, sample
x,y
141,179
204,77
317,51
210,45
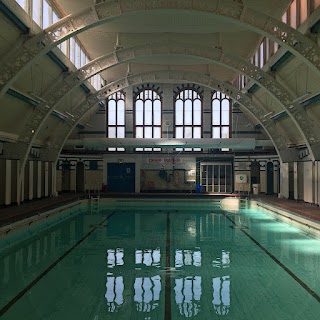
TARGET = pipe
x,y
206,143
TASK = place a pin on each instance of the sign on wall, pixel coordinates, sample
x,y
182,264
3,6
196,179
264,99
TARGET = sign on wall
x,y
163,161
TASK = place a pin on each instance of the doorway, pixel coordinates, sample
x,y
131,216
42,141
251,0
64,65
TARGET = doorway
x,y
216,177
80,177
270,178
121,177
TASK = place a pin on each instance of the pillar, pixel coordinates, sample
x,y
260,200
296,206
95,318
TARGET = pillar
x,y
284,180
8,183
30,180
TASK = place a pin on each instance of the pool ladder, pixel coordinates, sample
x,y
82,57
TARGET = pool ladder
x,y
95,204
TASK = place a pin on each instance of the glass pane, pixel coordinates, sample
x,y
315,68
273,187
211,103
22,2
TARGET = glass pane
x,y
36,11
22,4
216,112
112,112
77,55
148,112
148,132
262,57
225,116
179,132
139,112
179,112
157,132
157,112
197,112
303,10
72,47
139,132
216,178
82,58
225,132
216,132
188,112
188,132
196,132
120,132
64,47
112,132
293,14
120,113
55,17
46,18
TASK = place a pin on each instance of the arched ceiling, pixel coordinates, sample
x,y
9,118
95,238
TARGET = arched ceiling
x,y
213,24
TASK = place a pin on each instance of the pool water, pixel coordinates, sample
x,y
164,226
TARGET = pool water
x,y
160,260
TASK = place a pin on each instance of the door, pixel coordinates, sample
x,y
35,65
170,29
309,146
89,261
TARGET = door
x,y
65,176
216,177
80,177
270,178
121,177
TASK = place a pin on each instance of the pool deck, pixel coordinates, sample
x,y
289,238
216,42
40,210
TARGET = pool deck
x,y
28,209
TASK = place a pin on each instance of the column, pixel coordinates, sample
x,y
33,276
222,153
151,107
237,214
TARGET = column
x,y
295,181
46,179
8,183
2,180
39,179
30,180
284,181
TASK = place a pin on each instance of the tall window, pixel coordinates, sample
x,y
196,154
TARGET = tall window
x,y
148,115
188,115
221,106
45,13
116,117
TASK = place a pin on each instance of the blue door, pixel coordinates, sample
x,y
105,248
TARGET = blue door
x,y
121,177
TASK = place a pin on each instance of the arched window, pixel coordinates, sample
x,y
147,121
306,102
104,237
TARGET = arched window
x,y
148,105
188,114
221,115
116,117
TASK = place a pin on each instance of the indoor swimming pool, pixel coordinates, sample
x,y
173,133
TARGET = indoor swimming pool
x,y
151,259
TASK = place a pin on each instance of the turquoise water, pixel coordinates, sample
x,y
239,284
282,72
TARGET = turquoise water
x,y
168,260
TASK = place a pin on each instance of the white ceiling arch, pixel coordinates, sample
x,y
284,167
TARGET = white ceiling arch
x,y
170,76
228,10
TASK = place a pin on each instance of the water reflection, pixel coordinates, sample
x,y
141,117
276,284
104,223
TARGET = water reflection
x,y
188,258
221,295
223,261
114,294
148,257
147,293
115,257
187,295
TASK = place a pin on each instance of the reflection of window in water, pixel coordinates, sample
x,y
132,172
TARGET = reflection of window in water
x,y
223,261
114,294
147,293
188,295
188,258
115,257
221,295
148,257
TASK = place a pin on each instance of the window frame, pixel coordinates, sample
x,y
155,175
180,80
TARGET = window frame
x,y
137,96
196,89
117,96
